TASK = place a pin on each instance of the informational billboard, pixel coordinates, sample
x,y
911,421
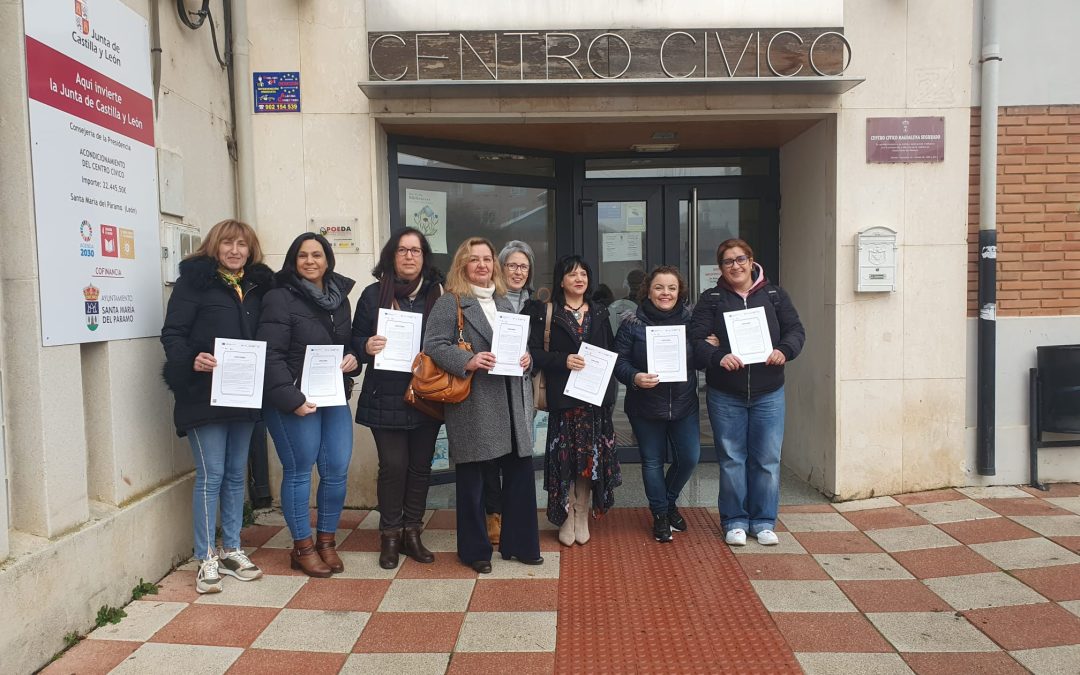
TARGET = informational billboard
x,y
94,170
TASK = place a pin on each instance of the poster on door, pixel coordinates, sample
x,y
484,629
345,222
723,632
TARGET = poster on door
x,y
426,211
94,170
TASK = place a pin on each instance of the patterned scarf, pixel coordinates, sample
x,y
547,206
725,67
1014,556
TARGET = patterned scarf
x,y
232,280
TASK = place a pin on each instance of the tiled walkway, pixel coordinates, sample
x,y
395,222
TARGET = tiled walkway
x,y
950,581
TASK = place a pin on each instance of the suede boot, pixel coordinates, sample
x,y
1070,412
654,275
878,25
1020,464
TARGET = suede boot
x,y
390,547
326,546
414,548
304,558
582,510
494,528
566,530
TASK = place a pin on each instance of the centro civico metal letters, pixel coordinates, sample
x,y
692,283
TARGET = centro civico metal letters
x,y
608,54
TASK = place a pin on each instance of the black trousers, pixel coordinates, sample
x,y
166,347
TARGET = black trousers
x,y
520,533
404,474
492,486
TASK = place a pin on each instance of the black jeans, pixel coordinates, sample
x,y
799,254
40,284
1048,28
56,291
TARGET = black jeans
x,y
492,486
404,474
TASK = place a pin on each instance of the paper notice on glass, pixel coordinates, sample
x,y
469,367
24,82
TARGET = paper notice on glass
x,y
237,381
621,246
402,332
590,383
748,333
426,211
665,352
509,342
322,381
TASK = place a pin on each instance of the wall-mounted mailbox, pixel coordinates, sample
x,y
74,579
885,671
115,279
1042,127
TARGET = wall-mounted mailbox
x,y
877,260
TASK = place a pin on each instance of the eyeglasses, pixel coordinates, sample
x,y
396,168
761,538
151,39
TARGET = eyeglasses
x,y
406,252
517,267
730,262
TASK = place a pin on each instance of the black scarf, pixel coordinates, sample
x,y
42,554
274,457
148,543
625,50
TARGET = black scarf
x,y
658,317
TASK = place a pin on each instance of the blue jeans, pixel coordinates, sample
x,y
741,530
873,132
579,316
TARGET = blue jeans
x,y
653,437
221,454
748,436
322,438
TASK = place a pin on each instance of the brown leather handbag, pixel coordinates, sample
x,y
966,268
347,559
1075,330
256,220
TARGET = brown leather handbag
x,y
539,381
431,386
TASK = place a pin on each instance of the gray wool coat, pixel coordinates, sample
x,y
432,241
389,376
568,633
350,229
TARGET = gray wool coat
x,y
480,427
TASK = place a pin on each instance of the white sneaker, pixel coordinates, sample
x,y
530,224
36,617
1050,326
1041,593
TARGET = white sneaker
x,y
767,538
207,580
736,537
237,564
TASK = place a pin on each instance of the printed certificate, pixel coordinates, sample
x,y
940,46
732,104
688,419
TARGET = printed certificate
x,y
322,380
590,383
665,352
238,378
402,332
509,342
748,334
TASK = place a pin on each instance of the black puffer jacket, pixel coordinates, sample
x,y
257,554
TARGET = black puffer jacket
x,y
290,322
564,343
382,397
203,307
785,328
665,401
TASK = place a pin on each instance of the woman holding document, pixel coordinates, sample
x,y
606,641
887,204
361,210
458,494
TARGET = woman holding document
x,y
218,295
581,469
305,322
495,421
743,332
404,436
657,368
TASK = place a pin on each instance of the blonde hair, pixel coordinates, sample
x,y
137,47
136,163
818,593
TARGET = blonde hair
x,y
457,280
226,230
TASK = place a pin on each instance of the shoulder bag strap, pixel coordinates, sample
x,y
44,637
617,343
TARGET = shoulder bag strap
x,y
547,328
460,320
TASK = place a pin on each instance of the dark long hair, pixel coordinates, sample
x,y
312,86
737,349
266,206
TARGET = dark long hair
x,y
385,266
564,266
294,250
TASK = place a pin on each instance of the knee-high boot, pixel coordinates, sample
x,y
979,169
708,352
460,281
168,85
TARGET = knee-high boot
x,y
567,534
582,509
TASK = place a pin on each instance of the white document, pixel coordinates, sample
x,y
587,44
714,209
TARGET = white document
x,y
590,383
748,333
237,381
402,332
322,380
621,246
509,342
665,352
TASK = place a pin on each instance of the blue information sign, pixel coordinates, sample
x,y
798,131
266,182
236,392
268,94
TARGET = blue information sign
x,y
276,91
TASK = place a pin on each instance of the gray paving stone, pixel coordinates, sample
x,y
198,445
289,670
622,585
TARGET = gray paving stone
x,y
1067,503
913,538
272,590
165,659
930,632
1051,526
512,569
441,541
312,630
816,522
1072,605
995,492
1025,553
802,596
953,511
832,663
364,565
427,595
788,544
370,521
1050,660
861,566
866,504
379,664
979,591
144,618
507,632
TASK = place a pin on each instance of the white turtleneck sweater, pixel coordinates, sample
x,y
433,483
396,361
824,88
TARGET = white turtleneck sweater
x,y
486,298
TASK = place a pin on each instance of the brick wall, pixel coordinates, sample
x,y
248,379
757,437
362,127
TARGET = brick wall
x,y
1038,211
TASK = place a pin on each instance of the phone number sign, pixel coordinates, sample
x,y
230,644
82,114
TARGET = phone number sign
x,y
276,92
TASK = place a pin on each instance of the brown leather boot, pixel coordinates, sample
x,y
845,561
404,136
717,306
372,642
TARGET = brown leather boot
x,y
414,548
494,528
389,549
326,546
304,558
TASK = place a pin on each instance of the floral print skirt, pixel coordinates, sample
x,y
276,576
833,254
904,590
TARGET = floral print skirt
x,y
580,444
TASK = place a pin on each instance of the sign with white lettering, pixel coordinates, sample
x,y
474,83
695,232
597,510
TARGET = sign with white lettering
x,y
94,170
891,140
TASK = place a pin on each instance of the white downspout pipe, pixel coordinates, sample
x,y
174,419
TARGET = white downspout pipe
x,y
245,154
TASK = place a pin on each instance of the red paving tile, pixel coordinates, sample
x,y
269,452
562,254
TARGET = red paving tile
x,y
178,586
92,657
519,663
1056,490
808,508
276,662
986,530
880,519
216,625
418,632
257,535
549,541
1027,626
781,566
1024,507
446,566
986,663
929,497
949,561
443,519
610,587
836,542
1071,543
340,595
360,540
899,595
275,561
1059,583
515,595
830,632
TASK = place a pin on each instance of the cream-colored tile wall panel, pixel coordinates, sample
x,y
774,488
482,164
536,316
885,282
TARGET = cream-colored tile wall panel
x,y
935,305
341,13
869,194
18,259
335,163
333,59
869,459
939,48
880,51
263,14
188,65
934,444
936,194
275,45
453,106
279,180
870,332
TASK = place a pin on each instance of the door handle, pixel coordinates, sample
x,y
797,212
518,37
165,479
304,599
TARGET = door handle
x,y
693,243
